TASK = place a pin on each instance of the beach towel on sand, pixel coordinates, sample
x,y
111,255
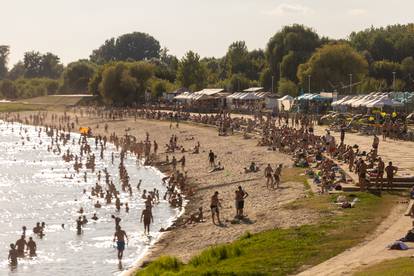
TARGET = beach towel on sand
x,y
398,245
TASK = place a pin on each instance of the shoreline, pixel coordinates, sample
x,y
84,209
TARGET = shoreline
x,y
158,169
264,208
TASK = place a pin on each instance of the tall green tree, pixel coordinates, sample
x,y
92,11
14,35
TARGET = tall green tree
x,y
17,71
124,83
331,65
296,41
237,58
77,75
287,87
4,58
128,47
50,66
191,72
8,89
393,43
32,64
37,65
385,69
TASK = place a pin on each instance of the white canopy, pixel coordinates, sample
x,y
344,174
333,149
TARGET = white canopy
x,y
248,95
384,101
183,96
351,100
286,98
338,102
361,100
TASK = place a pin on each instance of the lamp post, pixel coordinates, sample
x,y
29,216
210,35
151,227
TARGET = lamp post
x,y
350,84
393,80
309,83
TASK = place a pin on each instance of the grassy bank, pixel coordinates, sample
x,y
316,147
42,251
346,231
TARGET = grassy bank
x,y
15,107
400,267
285,251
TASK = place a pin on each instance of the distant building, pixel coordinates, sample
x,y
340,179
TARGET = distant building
x,y
170,95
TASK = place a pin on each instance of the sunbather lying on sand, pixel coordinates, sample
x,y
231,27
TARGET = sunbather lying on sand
x,y
251,168
217,168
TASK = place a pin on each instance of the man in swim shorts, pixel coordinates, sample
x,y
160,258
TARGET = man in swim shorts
x,y
120,236
214,206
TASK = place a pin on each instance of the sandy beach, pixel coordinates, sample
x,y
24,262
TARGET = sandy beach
x,y
264,207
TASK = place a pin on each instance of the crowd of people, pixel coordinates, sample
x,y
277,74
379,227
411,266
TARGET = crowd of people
x,y
289,134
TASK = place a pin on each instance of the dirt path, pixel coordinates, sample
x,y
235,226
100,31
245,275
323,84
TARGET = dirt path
x,y
372,251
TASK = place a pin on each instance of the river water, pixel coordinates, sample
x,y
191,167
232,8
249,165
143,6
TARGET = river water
x,y
33,188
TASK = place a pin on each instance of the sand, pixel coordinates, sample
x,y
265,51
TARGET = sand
x,y
264,207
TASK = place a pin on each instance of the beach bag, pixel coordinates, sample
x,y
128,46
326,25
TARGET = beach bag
x,y
409,237
398,245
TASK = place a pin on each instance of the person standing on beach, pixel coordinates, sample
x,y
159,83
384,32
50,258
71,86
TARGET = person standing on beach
x,y
380,173
277,174
211,158
120,236
268,174
375,144
362,172
391,171
240,196
214,206
148,218
342,134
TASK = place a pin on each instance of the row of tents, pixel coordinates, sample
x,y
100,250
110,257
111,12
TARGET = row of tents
x,y
372,100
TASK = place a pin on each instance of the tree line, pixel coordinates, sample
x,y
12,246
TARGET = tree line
x,y
296,59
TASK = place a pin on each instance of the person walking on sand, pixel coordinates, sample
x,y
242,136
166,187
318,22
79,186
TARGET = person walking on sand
x,y
391,171
119,237
380,173
268,174
211,158
342,134
148,218
277,174
375,144
214,206
362,172
240,197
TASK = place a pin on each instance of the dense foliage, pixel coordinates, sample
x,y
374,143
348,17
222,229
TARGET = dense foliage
x,y
128,47
295,59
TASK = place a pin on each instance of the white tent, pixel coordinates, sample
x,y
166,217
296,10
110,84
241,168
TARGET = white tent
x,y
183,97
338,102
384,101
286,98
285,103
363,99
352,100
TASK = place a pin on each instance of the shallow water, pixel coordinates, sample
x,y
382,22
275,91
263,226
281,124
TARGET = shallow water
x,y
33,189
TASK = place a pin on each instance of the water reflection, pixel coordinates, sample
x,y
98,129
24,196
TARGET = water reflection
x,y
33,188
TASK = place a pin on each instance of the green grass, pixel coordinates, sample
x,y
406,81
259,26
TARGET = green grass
x,y
286,251
295,174
399,266
15,107
53,100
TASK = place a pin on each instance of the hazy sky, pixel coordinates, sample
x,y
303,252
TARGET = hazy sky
x,y
73,28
